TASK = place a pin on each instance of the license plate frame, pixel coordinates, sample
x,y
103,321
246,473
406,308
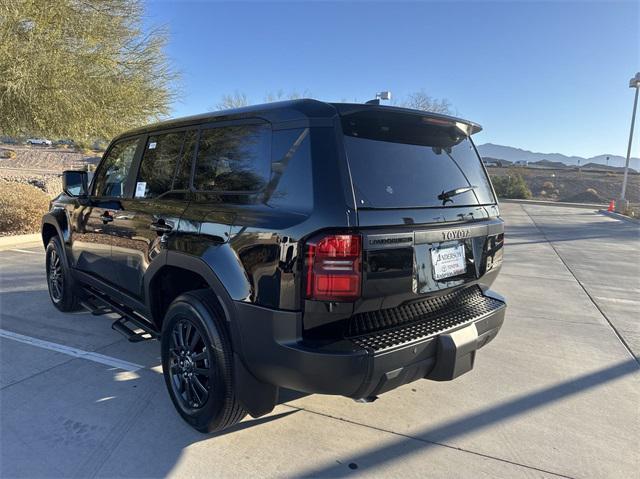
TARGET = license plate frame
x,y
448,261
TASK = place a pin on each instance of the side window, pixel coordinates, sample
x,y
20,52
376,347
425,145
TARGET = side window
x,y
290,186
111,176
233,158
158,166
183,174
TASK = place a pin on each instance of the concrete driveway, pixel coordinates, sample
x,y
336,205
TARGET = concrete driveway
x,y
556,394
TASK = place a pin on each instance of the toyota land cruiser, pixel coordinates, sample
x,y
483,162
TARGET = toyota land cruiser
x,y
341,249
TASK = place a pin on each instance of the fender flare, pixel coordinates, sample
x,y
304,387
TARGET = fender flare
x,y
58,219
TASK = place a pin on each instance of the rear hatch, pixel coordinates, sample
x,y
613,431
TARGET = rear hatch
x,y
425,205
428,240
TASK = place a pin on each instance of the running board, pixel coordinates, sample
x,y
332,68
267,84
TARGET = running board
x,y
127,323
129,333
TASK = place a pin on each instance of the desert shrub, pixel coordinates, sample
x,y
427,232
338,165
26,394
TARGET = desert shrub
x,y
21,208
543,193
6,154
511,186
547,185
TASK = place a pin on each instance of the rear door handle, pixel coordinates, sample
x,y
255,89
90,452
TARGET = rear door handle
x,y
160,226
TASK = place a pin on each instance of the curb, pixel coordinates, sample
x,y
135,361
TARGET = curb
x,y
620,217
8,242
591,206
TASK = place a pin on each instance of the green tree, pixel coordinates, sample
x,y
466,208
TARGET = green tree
x,y
80,69
511,186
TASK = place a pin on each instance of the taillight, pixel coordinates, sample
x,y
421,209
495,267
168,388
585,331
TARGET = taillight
x,y
333,267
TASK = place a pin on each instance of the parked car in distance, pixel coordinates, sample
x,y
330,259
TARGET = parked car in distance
x,y
328,248
39,141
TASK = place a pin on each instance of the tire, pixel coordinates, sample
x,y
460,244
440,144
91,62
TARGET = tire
x,y
198,371
62,288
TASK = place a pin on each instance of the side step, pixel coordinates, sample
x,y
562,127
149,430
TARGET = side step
x,y
129,333
128,322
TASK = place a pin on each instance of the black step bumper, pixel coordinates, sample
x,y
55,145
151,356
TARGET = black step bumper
x,y
273,350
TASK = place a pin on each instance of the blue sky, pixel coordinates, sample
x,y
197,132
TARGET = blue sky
x,y
543,76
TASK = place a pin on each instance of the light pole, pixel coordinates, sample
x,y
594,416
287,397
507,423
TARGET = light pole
x,y
633,83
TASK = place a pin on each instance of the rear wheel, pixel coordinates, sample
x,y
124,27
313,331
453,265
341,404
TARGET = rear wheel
x,y
197,362
61,286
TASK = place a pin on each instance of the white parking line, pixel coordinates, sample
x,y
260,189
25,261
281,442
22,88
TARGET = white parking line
x,y
26,251
77,353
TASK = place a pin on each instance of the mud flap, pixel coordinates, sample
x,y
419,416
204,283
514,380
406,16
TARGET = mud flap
x,y
456,354
256,397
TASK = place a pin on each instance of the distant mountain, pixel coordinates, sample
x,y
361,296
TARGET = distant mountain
x,y
517,154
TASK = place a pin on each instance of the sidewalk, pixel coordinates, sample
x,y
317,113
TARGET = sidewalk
x,y
20,241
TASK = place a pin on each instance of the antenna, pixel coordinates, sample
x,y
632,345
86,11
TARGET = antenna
x,y
383,95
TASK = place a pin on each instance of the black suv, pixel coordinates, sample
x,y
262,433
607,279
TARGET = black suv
x,y
327,248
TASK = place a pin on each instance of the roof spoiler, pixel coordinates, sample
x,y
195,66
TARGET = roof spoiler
x,y
467,127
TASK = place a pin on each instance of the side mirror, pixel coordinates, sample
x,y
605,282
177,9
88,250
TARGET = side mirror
x,y
75,183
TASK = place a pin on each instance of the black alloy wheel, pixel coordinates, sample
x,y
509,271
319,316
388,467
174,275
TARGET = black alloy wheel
x,y
62,288
198,362
190,365
55,276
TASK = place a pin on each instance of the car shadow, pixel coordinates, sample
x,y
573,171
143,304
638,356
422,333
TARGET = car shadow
x,y
157,438
440,434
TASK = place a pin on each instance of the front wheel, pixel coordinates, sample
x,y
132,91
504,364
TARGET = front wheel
x,y
197,362
61,286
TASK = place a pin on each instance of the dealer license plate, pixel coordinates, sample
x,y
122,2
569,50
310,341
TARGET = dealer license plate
x,y
448,261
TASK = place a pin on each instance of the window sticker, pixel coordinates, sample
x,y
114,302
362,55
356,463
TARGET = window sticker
x,y
141,189
152,145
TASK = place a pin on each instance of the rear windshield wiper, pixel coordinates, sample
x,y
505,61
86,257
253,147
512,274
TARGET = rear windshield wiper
x,y
446,196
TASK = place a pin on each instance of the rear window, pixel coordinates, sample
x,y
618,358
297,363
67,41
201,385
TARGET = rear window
x,y
409,161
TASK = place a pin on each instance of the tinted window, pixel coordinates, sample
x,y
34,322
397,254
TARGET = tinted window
x,y
290,186
159,161
112,174
233,158
183,174
402,162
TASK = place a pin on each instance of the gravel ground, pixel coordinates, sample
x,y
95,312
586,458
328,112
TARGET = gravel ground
x,y
42,166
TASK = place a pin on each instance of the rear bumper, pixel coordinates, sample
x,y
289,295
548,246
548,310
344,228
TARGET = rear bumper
x,y
274,352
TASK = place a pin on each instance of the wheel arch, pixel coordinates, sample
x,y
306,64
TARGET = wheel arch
x,y
195,269
55,223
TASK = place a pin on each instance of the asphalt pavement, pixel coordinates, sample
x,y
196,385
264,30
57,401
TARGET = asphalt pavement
x,y
556,394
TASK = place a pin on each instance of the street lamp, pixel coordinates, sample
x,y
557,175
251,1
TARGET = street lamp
x,y
633,83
